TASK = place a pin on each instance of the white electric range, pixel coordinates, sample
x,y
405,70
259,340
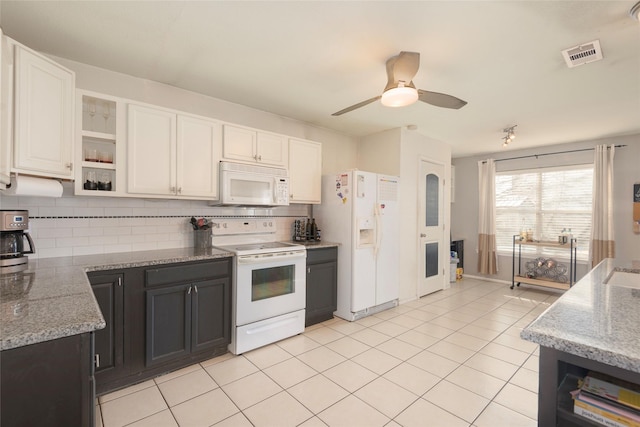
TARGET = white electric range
x,y
269,282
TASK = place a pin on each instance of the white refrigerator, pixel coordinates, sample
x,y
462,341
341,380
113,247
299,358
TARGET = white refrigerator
x,y
360,211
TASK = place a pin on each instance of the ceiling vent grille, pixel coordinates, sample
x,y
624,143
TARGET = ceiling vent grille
x,y
582,54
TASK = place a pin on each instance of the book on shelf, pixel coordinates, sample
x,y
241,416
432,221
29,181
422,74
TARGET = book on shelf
x,y
601,416
613,389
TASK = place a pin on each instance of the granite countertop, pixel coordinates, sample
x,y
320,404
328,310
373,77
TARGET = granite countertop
x,y
594,319
317,245
53,298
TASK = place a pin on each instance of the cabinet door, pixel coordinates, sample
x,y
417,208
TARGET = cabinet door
x,y
109,348
322,291
44,101
305,171
199,146
6,112
168,323
239,144
151,151
211,314
271,149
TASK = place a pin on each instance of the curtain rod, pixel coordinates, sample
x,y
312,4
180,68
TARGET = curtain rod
x,y
549,154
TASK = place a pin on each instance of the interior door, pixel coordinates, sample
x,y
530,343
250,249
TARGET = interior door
x,y
431,227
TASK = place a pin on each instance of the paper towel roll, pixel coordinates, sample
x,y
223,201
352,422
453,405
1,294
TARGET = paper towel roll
x,y
22,185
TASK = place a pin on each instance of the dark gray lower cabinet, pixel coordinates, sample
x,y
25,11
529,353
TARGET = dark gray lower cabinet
x,y
160,319
322,284
48,384
108,289
186,318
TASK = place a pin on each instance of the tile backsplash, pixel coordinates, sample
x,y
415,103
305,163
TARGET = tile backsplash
x,y
85,225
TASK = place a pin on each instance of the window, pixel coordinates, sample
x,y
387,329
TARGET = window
x,y
544,201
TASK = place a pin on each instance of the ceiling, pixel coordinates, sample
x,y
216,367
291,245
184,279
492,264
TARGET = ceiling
x,y
309,59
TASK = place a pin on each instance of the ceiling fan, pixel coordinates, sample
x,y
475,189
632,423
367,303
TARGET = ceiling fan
x,y
401,91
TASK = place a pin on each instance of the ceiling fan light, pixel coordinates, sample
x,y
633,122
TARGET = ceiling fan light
x,y
399,96
635,11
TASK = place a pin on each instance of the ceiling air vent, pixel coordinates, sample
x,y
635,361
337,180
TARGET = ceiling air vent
x,y
582,54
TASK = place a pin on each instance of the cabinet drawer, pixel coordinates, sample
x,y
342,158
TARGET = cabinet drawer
x,y
185,273
315,256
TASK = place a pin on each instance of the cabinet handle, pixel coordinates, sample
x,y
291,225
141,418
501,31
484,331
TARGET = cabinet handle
x,y
119,281
97,360
308,269
195,288
172,189
260,157
189,291
69,166
179,190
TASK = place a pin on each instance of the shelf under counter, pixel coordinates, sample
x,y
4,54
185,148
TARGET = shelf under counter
x,y
541,282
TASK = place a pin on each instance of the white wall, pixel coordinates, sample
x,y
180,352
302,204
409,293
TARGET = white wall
x,y
399,152
464,223
338,150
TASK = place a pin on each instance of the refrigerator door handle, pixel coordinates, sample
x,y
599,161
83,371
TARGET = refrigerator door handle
x,y
378,232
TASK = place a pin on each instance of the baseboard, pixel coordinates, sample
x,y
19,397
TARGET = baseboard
x,y
488,279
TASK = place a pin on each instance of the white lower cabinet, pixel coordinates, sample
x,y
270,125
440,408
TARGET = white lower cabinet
x,y
171,154
305,171
43,115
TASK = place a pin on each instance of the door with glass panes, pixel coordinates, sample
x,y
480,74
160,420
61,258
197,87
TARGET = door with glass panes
x,y
431,227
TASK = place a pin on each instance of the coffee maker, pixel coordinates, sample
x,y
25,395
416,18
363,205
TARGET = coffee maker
x,y
12,234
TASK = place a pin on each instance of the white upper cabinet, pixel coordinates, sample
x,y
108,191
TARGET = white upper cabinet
x,y
151,151
171,154
249,145
198,155
43,116
305,171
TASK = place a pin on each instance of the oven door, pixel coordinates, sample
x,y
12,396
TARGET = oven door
x,y
268,285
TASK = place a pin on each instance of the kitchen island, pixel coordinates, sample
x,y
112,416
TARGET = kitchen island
x,y
48,319
591,327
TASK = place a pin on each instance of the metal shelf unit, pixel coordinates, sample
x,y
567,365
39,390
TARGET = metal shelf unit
x,y
518,278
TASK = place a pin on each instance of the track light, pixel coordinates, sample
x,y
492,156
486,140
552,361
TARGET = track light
x,y
510,135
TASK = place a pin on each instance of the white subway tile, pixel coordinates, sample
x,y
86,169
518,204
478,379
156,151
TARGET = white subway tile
x,y
130,239
55,232
84,211
76,202
115,211
56,211
54,252
144,246
88,231
103,240
88,250
105,222
69,242
158,237
109,249
45,243
70,222
117,231
144,229
132,222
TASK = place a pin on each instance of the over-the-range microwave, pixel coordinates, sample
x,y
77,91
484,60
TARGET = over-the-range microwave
x,y
249,185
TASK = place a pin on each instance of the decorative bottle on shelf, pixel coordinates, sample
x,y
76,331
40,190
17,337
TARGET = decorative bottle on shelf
x,y
314,229
308,230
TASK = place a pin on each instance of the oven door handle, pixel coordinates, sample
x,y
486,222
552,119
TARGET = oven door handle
x,y
256,259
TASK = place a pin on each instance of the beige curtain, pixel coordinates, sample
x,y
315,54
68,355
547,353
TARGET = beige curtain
x,y
602,244
487,257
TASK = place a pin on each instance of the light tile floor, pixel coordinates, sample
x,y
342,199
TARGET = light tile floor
x,y
452,358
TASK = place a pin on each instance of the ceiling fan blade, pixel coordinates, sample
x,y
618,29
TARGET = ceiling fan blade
x,y
440,99
402,67
406,66
358,105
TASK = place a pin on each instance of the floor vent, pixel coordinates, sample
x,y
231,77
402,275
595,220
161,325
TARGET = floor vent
x,y
582,54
